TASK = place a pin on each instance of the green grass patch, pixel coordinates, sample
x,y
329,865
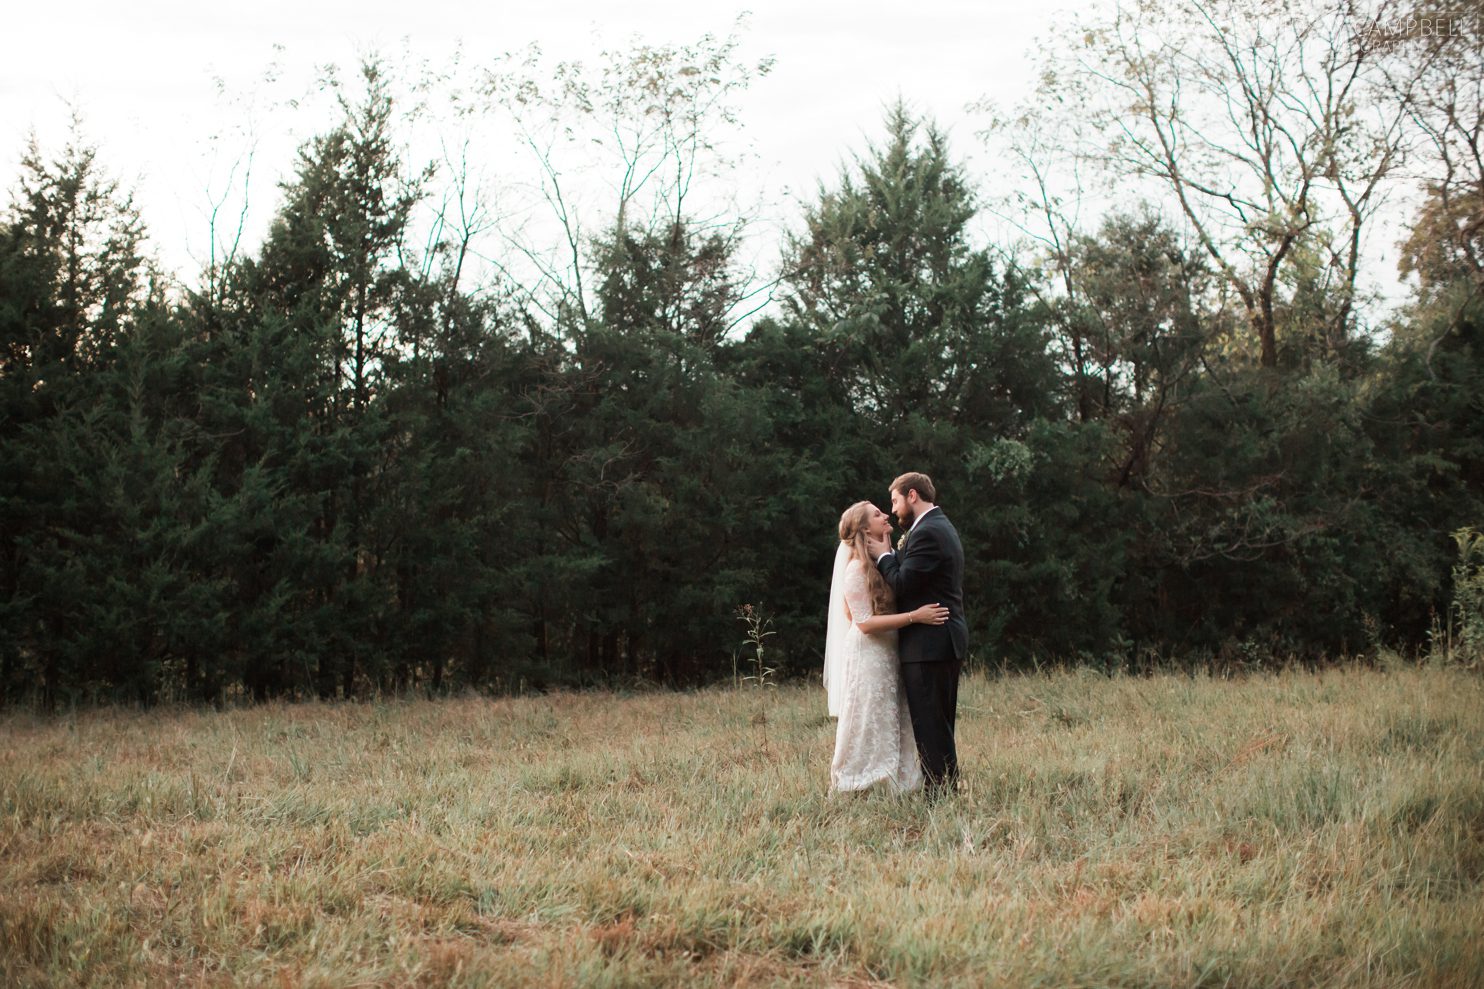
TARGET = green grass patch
x,y
1316,829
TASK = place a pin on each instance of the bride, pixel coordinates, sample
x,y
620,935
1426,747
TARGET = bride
x,y
873,738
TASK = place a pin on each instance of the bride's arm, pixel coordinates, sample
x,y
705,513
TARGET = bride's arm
x,y
928,614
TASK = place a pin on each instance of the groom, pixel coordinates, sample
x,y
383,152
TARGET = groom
x,y
928,568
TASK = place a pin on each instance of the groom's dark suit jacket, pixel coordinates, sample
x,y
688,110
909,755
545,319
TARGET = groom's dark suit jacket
x,y
928,570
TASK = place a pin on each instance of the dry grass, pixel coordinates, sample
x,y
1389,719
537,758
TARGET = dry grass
x,y
1296,829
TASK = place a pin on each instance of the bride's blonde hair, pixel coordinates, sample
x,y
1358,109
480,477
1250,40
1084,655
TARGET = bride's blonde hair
x,y
853,525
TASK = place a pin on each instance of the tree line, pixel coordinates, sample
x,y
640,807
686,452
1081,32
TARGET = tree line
x,y
338,464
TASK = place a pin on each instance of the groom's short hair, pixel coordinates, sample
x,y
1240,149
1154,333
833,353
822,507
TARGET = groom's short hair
x,y
920,483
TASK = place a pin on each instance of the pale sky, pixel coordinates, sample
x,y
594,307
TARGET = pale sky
x,y
142,74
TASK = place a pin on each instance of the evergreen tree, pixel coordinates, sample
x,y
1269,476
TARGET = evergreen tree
x,y
917,323
73,275
451,513
942,364
307,332
645,472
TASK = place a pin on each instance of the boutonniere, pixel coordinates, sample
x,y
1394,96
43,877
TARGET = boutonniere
x,y
901,541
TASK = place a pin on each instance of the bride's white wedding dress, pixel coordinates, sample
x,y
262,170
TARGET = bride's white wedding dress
x,y
873,739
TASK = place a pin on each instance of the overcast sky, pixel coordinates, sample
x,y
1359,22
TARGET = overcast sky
x,y
142,73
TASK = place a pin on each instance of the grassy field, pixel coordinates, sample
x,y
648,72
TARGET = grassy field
x,y
1297,829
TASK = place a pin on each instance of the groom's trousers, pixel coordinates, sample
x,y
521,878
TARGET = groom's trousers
x,y
932,700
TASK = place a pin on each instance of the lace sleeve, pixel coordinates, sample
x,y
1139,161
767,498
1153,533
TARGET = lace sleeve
x,y
857,595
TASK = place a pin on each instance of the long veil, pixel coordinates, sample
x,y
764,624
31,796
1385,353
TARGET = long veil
x,y
834,638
